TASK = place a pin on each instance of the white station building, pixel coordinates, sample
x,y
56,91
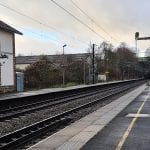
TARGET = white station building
x,y
7,56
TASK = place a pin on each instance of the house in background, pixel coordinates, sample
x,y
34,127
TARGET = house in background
x,y
58,61
7,56
23,61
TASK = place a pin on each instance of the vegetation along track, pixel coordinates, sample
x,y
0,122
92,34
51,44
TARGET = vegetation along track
x,y
21,136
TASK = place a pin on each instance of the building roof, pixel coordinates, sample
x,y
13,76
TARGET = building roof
x,y
52,58
6,27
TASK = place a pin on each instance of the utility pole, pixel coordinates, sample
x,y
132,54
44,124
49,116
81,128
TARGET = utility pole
x,y
136,38
84,71
107,72
93,64
64,65
137,53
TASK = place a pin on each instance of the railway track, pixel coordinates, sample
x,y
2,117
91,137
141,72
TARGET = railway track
x,y
39,99
35,101
21,136
22,110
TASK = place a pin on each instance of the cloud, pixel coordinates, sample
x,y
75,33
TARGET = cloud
x,y
120,18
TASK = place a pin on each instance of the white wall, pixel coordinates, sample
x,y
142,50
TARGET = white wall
x,y
7,70
22,66
102,77
6,40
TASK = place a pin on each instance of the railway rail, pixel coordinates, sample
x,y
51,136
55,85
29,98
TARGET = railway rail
x,y
30,108
21,136
12,103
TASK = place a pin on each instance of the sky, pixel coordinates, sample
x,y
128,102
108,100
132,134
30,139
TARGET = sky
x,y
46,27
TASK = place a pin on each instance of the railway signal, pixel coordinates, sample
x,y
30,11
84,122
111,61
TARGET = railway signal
x,y
137,35
139,38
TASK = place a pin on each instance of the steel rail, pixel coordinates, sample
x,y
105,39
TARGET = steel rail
x,y
39,102
12,102
15,112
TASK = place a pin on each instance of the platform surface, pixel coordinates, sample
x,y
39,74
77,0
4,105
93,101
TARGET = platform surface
x,y
130,130
77,135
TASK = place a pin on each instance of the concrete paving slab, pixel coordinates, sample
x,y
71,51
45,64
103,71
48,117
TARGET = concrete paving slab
x,y
71,145
94,128
97,114
90,118
71,131
82,136
81,124
52,143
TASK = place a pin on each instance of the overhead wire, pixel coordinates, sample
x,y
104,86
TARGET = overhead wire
x,y
43,24
42,35
38,34
76,18
93,20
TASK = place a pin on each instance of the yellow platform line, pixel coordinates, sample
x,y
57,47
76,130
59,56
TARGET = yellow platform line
x,y
128,130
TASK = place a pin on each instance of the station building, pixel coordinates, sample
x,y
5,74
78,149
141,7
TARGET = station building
x,y
7,57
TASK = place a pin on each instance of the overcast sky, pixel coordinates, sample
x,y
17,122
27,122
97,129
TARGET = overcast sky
x,y
46,27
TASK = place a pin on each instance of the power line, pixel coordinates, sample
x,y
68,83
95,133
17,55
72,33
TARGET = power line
x,y
39,35
37,21
81,10
78,19
92,20
42,35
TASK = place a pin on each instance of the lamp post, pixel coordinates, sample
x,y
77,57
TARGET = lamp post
x,y
93,63
84,69
136,38
64,65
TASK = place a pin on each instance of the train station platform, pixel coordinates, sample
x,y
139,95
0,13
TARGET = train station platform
x,y
50,90
29,93
122,123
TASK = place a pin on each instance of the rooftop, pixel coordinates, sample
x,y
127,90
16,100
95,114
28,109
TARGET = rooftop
x,y
6,27
51,58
